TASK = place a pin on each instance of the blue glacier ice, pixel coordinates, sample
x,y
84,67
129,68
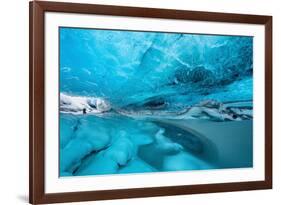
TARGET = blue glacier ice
x,y
135,102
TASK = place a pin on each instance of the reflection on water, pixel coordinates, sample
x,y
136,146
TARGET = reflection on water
x,y
112,144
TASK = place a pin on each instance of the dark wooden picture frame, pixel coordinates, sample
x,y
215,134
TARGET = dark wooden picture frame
x,y
37,193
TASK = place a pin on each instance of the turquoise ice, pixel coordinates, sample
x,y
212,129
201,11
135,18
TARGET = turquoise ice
x,y
128,101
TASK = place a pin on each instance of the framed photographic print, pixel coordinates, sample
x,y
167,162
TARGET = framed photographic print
x,y
139,102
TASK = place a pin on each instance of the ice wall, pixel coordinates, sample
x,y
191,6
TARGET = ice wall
x,y
151,68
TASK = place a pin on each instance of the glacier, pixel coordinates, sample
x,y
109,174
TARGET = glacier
x,y
138,101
